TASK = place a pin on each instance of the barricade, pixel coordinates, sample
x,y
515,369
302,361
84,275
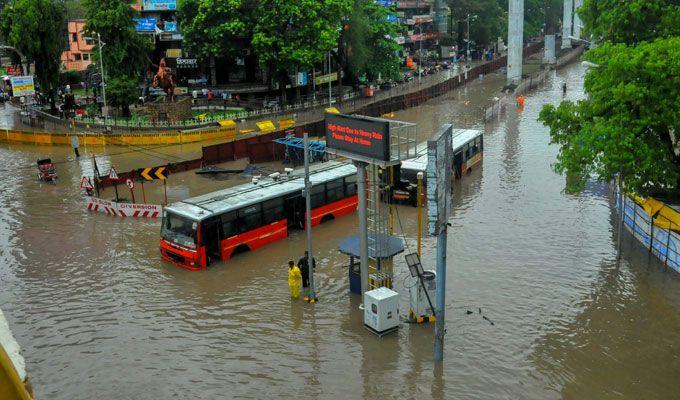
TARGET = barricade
x,y
114,209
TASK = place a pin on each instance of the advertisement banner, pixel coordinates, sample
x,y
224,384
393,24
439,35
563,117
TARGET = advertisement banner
x,y
23,86
170,26
159,5
146,25
173,53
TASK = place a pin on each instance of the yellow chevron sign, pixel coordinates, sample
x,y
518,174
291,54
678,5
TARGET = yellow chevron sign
x,y
152,173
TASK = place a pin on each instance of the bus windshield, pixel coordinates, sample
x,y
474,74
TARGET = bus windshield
x,y
179,230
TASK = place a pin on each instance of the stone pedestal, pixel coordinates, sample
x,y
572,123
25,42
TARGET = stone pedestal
x,y
173,112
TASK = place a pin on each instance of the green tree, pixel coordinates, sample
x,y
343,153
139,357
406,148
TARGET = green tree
x,y
368,41
292,35
212,27
36,29
488,20
630,21
124,51
629,123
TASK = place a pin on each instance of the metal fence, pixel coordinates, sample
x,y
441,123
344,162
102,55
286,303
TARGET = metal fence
x,y
663,243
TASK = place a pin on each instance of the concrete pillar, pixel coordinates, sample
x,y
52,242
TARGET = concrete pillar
x,y
515,40
549,56
577,20
566,23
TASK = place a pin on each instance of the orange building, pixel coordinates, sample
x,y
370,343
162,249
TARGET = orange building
x,y
79,53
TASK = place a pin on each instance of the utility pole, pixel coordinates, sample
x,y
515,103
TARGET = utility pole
x,y
308,221
330,81
467,55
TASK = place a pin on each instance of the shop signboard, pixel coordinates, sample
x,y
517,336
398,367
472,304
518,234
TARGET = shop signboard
x,y
358,137
146,25
159,5
187,63
170,26
321,79
22,86
173,53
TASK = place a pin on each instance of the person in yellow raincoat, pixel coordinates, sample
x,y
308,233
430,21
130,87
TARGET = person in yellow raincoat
x,y
294,279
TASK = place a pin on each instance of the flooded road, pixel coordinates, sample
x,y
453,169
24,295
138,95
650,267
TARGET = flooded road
x,y
99,315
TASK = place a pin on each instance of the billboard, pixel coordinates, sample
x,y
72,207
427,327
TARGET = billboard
x,y
439,175
365,137
145,25
22,86
159,5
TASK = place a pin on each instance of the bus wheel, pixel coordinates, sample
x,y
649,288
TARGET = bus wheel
x,y
241,249
327,217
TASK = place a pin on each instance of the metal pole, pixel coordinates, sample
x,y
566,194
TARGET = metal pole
x,y
420,212
363,226
622,215
420,58
468,40
165,191
330,81
308,220
440,328
391,200
101,63
143,192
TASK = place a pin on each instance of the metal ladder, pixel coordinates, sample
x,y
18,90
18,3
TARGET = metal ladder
x,y
378,224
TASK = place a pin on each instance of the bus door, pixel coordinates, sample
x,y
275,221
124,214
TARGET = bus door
x,y
210,235
295,210
458,164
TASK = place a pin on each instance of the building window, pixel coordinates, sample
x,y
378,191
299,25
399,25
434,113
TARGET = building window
x,y
74,37
86,57
89,42
76,56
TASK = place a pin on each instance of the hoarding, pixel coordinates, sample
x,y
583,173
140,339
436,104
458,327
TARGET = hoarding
x,y
439,174
22,86
159,5
146,25
367,138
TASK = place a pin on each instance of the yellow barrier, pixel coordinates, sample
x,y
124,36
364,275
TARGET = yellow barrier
x,y
664,216
119,139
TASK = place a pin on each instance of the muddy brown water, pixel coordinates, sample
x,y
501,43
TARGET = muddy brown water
x,y
99,315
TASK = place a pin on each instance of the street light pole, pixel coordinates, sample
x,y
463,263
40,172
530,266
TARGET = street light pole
x,y
467,56
101,64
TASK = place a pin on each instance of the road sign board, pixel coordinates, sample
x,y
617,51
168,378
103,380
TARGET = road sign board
x,y
22,86
113,174
352,135
130,184
439,161
152,173
85,183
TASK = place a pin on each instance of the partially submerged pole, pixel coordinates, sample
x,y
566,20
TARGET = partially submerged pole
x,y
308,220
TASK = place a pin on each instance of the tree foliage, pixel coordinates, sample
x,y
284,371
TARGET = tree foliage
x,y
630,21
292,34
124,50
368,38
36,29
629,123
488,20
210,27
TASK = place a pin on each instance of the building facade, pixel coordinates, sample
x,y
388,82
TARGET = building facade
x,y
79,53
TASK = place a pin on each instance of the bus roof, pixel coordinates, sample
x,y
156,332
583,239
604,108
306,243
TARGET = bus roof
x,y
460,137
201,207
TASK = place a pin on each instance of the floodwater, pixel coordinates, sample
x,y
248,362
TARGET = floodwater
x,y
99,315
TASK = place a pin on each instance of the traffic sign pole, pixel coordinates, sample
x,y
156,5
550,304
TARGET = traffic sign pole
x,y
115,186
165,191
143,192
132,192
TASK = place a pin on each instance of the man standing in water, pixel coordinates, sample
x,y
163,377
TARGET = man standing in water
x,y
294,279
304,269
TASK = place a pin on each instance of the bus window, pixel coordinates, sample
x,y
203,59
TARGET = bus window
x,y
351,185
179,230
335,190
475,147
272,210
229,224
318,195
249,218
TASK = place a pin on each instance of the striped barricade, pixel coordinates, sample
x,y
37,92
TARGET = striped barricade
x,y
124,209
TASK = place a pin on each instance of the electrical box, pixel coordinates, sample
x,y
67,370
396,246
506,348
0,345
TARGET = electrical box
x,y
381,310
420,307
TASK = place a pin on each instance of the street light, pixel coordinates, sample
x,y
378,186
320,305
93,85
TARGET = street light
x,y
101,65
468,38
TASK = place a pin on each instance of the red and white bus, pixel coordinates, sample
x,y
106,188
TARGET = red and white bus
x,y
215,226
